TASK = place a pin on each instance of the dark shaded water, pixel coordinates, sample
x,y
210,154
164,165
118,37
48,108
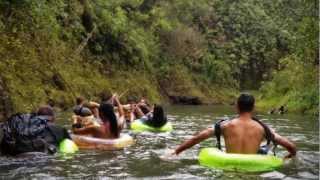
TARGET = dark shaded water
x,y
143,159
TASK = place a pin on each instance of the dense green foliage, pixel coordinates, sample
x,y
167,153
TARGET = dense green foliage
x,y
159,48
295,82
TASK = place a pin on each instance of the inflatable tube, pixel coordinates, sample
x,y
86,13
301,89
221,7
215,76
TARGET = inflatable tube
x,y
138,126
214,158
68,146
86,142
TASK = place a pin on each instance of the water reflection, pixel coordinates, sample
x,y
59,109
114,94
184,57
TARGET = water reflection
x,y
143,160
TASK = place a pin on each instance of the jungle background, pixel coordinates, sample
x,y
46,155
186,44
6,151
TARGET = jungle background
x,y
205,51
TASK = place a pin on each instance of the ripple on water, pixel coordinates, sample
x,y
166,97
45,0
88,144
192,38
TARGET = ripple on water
x,y
145,160
307,175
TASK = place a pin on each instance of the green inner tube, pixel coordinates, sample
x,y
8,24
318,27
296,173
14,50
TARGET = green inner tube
x,y
68,146
138,126
214,158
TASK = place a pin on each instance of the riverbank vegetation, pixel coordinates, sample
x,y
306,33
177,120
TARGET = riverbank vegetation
x,y
160,49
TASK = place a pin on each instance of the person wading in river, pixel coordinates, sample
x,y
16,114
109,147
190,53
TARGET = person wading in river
x,y
34,132
242,135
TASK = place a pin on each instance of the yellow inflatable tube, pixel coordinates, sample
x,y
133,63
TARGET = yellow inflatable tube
x,y
86,142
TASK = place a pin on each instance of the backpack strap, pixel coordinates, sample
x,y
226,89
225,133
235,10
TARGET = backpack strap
x,y
268,134
50,148
52,133
217,132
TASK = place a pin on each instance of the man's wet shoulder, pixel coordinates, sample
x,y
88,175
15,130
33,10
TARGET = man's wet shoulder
x,y
228,123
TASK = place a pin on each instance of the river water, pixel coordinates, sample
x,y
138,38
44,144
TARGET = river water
x,y
143,160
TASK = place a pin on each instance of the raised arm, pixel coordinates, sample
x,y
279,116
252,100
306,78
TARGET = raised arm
x,y
94,104
74,119
203,135
138,111
145,105
121,118
119,105
284,142
132,117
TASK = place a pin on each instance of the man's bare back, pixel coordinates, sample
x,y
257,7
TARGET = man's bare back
x,y
242,136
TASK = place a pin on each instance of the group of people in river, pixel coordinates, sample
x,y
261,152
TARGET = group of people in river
x,y
242,135
108,118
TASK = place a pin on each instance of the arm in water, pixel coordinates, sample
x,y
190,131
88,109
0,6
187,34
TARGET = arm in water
x,y
203,135
284,142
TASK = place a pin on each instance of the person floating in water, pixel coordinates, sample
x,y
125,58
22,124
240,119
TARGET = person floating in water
x,y
142,105
154,118
110,127
84,119
85,114
280,110
272,111
242,135
34,132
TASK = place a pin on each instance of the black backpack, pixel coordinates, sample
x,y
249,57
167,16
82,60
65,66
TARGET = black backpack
x,y
268,135
27,133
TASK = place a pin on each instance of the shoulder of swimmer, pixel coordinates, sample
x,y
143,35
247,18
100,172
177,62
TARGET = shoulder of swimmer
x,y
236,126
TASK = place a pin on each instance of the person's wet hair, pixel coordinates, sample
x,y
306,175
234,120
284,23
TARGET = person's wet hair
x,y
245,103
51,103
159,118
105,96
107,114
45,111
79,100
131,100
84,111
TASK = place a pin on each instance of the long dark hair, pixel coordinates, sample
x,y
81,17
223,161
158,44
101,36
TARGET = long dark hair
x,y
106,113
159,118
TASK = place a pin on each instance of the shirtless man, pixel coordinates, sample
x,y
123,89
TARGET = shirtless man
x,y
242,135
